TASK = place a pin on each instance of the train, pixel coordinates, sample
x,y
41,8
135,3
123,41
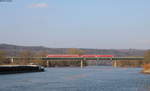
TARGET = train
x,y
74,56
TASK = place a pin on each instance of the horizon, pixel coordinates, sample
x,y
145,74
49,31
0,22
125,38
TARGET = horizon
x,y
96,24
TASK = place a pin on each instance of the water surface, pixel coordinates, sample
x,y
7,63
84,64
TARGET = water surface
x,y
94,78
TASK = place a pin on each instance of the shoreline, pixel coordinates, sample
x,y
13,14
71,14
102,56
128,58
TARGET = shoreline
x,y
145,71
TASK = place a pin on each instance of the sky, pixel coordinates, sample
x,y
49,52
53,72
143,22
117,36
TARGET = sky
x,y
102,24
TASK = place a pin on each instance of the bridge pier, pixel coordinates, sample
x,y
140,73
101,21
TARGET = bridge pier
x,y
115,63
12,60
47,63
81,63
97,61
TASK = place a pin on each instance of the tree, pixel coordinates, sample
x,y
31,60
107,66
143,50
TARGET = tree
x,y
2,57
75,51
39,61
147,57
26,55
146,66
41,54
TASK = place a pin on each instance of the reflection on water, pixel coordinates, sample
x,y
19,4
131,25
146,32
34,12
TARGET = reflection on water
x,y
96,78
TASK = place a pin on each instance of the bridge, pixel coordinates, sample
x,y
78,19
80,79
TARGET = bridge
x,y
80,58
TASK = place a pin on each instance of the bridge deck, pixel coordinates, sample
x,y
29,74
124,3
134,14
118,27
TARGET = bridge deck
x,y
81,58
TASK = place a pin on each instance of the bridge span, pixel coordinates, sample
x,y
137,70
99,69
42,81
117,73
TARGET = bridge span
x,y
81,59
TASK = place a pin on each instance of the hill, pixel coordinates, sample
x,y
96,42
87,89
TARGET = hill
x,y
14,50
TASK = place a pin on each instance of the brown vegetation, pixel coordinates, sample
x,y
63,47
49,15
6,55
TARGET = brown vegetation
x,y
3,59
130,63
146,67
25,59
75,51
147,57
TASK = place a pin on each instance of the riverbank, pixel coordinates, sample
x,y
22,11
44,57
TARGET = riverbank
x,y
146,69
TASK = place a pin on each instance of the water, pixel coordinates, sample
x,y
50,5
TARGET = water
x,y
96,78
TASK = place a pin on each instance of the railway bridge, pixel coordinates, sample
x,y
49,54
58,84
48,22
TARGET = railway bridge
x,y
80,58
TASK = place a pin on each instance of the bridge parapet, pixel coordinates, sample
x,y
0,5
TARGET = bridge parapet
x,y
128,58
78,58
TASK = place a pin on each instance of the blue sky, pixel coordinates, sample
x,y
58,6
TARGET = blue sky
x,y
104,24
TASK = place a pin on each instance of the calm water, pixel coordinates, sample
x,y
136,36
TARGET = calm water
x,y
96,78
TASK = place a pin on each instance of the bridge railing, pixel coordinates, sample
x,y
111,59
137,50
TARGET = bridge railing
x,y
77,58
128,58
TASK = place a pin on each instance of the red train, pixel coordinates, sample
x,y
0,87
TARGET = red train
x,y
69,55
61,55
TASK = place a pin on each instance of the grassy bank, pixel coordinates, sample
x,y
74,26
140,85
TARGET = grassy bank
x,y
146,69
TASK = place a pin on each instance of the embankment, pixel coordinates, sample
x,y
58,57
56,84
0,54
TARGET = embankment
x,y
146,69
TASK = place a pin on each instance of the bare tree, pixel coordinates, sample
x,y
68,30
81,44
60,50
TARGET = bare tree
x,y
147,57
26,55
42,54
75,51
2,57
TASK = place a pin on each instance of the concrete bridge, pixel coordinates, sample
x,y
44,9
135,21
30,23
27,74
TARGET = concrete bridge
x,y
81,59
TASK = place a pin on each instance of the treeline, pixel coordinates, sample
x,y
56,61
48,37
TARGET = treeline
x,y
130,63
136,63
147,62
51,63
3,59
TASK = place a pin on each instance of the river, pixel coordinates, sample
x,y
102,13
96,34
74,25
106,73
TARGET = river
x,y
90,78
